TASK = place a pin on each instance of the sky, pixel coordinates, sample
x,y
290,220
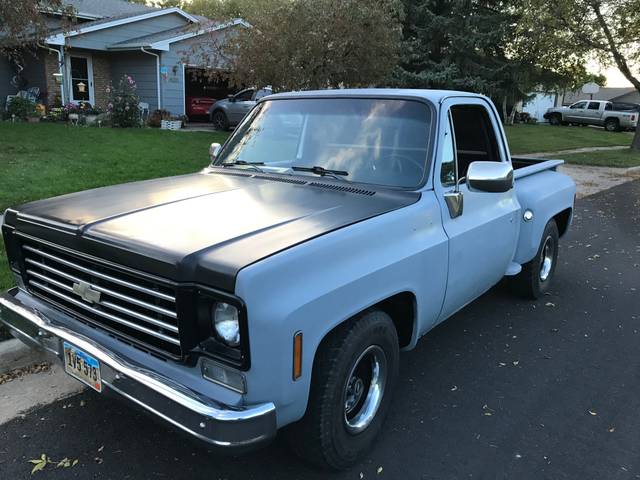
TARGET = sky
x,y
614,77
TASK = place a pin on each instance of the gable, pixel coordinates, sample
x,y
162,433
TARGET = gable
x,y
102,38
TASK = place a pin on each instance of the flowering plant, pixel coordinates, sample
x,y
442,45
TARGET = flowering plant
x,y
71,107
123,103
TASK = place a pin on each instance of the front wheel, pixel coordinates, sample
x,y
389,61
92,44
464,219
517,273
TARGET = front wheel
x,y
354,374
555,120
534,279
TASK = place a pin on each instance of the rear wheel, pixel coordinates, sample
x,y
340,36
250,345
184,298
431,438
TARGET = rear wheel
x,y
354,374
220,120
612,125
534,279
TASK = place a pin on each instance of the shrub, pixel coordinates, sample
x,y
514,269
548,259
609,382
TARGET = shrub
x,y
123,103
21,108
157,116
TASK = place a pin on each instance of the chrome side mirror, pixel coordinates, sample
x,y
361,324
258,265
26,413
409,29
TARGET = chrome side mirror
x,y
214,150
494,177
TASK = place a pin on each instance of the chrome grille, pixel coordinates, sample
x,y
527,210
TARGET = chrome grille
x,y
136,309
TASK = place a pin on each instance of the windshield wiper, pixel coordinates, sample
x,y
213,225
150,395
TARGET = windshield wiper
x,y
242,163
323,172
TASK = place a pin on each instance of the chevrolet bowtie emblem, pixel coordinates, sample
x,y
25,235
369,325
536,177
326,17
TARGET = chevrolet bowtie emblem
x,y
84,290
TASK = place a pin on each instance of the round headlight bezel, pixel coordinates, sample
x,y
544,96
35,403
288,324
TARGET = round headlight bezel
x,y
225,319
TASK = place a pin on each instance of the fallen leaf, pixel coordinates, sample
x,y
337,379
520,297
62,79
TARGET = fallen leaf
x,y
593,413
549,304
454,388
379,470
39,464
101,448
612,429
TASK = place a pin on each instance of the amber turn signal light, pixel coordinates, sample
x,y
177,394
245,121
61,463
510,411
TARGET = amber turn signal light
x,y
297,355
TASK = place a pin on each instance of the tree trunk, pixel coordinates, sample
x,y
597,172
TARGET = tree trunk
x,y
635,144
504,110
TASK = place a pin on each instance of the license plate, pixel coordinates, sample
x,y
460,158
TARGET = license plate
x,y
82,366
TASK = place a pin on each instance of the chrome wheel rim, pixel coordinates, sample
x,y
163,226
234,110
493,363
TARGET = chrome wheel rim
x,y
364,389
218,121
547,259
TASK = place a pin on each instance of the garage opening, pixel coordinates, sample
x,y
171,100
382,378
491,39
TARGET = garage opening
x,y
201,90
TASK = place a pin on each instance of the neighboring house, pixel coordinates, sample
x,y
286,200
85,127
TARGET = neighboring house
x,y
113,38
538,104
622,95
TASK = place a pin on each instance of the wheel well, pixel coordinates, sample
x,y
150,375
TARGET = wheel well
x,y
562,220
402,310
617,120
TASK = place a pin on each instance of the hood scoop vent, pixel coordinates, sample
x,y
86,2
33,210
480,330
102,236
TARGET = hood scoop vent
x,y
233,174
343,188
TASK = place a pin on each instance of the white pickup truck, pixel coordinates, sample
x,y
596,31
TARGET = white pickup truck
x,y
594,112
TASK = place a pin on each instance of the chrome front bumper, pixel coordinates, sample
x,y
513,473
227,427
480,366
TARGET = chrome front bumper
x,y
204,418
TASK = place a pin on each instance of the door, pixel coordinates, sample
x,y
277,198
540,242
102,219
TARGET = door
x,y
576,112
482,239
593,113
80,78
243,102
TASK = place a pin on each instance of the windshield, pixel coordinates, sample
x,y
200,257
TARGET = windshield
x,y
383,142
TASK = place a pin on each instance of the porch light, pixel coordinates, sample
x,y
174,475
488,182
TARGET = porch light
x,y
82,87
58,78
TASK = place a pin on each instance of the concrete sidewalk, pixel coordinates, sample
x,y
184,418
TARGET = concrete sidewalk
x,y
22,394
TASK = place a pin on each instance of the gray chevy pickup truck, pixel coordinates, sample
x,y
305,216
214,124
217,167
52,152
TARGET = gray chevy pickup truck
x,y
277,287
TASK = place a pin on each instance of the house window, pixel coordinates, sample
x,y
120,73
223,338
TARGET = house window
x,y
80,74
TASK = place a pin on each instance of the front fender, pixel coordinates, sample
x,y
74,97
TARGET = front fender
x,y
315,286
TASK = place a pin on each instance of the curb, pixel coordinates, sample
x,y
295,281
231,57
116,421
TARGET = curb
x,y
633,171
15,354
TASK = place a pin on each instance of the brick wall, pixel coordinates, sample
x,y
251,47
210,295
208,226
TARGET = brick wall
x,y
51,67
101,79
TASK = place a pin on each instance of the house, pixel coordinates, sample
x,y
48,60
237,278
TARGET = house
x,y
163,49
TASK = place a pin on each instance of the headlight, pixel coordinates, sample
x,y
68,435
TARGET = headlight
x,y
226,322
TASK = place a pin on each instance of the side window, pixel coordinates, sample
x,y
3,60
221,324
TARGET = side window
x,y
244,96
448,165
608,107
475,137
579,105
594,105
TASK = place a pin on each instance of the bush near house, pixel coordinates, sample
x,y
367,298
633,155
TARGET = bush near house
x,y
123,103
22,108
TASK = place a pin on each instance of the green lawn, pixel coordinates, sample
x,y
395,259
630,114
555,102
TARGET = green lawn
x,y
545,138
612,158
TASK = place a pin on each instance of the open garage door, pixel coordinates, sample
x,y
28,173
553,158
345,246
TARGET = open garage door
x,y
201,90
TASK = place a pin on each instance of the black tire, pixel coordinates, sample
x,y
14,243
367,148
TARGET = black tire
x,y
534,279
325,436
555,119
612,125
220,120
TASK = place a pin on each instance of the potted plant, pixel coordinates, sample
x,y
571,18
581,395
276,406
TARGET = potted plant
x,y
91,114
72,112
22,109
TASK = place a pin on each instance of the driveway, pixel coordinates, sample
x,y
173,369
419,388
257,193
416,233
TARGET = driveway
x,y
506,389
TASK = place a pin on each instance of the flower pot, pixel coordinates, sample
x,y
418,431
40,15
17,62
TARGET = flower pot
x,y
33,119
90,119
73,117
170,124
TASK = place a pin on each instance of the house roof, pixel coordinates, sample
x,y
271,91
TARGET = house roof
x,y
57,37
162,40
604,94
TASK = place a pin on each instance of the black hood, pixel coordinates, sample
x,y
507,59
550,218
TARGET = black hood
x,y
203,227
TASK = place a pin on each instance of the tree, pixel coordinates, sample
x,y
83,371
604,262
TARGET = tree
x,y
482,46
307,44
22,22
606,29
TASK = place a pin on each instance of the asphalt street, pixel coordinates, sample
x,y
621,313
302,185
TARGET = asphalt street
x,y
506,389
